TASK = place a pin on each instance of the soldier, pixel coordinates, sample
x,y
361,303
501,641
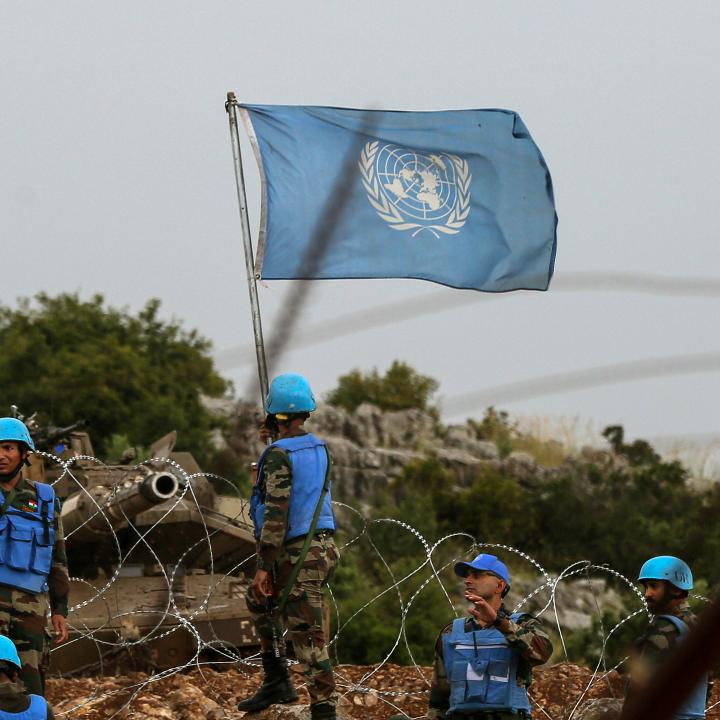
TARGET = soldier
x,y
290,493
483,663
667,581
14,701
33,571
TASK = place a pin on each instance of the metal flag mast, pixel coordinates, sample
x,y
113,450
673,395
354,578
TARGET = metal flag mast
x,y
231,107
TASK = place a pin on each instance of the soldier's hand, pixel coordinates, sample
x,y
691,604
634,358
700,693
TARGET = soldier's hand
x,y
261,585
60,628
480,609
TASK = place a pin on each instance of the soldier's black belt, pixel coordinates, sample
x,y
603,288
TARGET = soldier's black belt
x,y
324,533
317,535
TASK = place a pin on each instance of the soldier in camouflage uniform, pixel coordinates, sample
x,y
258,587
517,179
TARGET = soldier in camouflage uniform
x,y
26,596
14,699
291,475
483,663
667,581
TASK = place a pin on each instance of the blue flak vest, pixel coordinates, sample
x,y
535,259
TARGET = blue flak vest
x,y
309,462
37,710
694,705
482,670
26,542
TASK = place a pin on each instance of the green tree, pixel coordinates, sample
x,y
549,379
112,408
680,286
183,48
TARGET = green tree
x,y
640,452
132,375
496,427
400,388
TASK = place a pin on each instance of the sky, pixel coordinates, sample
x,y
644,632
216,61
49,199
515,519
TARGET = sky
x,y
116,177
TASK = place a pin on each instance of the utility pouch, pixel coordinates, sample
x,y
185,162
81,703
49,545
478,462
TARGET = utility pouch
x,y
20,545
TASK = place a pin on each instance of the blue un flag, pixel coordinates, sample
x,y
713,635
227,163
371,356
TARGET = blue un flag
x,y
461,197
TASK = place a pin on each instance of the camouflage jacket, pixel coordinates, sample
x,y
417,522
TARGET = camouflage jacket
x,y
277,481
58,579
659,638
527,637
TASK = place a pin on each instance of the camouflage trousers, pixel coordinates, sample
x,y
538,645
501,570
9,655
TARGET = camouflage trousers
x,y
304,612
23,618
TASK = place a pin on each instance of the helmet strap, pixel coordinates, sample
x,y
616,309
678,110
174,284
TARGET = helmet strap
x,y
9,669
8,476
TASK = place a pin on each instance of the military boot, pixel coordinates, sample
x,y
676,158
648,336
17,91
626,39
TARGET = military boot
x,y
277,686
322,711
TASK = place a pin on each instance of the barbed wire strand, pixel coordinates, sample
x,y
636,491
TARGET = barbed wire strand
x,y
171,618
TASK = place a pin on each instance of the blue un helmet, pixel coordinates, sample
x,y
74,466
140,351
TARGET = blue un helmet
x,y
668,568
8,652
15,430
488,563
290,393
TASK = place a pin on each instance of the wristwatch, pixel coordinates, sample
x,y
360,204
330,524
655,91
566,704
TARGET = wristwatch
x,y
501,616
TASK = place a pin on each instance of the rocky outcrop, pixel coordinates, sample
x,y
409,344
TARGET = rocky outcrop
x,y
371,447
576,600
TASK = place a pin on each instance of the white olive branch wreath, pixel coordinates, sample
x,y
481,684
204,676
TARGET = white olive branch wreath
x,y
391,215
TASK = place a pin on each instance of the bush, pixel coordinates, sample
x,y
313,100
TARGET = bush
x,y
400,388
131,375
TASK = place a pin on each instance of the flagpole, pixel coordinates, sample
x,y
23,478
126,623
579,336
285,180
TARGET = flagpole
x,y
231,108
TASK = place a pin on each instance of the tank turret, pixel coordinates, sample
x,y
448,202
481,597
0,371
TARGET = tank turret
x,y
106,508
159,558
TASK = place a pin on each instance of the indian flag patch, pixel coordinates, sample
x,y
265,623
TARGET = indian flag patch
x,y
30,506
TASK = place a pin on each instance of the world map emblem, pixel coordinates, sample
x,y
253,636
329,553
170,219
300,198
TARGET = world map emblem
x,y
416,191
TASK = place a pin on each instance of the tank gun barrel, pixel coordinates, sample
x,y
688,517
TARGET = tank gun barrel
x,y
82,519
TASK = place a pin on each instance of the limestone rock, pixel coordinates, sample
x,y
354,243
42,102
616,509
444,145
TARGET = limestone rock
x,y
600,709
408,428
576,601
371,448
191,703
292,712
332,421
522,465
463,437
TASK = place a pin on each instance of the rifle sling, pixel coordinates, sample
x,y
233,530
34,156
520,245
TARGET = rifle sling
x,y
45,522
8,501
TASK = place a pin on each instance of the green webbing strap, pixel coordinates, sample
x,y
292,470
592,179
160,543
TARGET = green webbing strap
x,y
46,524
8,501
308,538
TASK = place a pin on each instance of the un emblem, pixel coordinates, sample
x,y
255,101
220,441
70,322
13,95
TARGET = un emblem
x,y
413,191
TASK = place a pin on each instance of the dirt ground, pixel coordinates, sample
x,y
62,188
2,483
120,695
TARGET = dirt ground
x,y
206,694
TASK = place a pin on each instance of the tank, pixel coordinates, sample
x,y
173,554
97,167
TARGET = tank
x,y
159,559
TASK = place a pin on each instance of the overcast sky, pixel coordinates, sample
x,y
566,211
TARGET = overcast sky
x,y
116,176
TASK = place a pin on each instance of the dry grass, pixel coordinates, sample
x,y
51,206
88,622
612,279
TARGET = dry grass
x,y
553,439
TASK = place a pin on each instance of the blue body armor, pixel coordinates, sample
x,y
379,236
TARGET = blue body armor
x,y
694,705
26,542
309,461
482,670
36,711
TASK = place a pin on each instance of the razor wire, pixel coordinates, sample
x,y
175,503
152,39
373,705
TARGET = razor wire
x,y
120,632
